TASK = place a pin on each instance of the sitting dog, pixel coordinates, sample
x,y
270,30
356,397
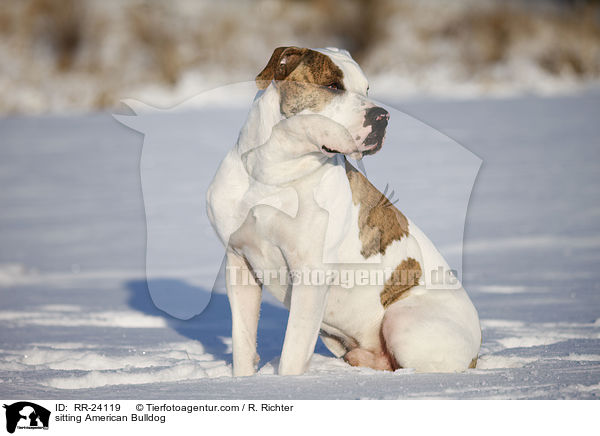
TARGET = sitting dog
x,y
295,216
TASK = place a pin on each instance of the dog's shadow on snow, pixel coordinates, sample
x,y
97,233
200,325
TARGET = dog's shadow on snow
x,y
212,327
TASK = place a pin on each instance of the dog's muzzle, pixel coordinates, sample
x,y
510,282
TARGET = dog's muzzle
x,y
377,118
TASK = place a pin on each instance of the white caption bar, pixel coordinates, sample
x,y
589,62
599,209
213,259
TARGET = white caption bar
x,y
150,417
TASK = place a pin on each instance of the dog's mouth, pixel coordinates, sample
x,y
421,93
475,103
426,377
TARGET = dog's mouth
x,y
329,150
370,145
373,143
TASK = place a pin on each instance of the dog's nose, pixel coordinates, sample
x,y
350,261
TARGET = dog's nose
x,y
377,117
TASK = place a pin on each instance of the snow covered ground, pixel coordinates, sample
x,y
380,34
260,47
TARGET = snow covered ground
x,y
77,321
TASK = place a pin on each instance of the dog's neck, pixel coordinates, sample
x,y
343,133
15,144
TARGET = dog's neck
x,y
276,150
263,116
281,160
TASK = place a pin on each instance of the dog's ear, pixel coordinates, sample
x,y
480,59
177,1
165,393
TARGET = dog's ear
x,y
283,61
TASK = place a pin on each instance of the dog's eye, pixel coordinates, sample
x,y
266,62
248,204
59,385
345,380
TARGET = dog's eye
x,y
336,86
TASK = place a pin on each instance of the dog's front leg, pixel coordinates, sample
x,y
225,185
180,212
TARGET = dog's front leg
x,y
306,314
244,298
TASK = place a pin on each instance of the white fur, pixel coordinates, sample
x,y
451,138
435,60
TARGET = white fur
x,y
282,203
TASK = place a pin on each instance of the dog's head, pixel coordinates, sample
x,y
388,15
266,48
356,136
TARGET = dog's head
x,y
327,82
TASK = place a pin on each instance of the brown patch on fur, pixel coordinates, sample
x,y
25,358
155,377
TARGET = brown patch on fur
x,y
315,68
405,276
305,87
473,363
268,73
379,222
303,76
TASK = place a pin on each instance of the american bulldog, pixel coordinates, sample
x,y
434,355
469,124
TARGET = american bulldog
x,y
298,220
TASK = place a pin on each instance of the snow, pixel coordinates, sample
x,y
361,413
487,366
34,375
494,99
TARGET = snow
x,y
77,320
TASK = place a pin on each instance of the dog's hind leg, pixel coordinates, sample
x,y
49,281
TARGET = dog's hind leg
x,y
337,341
432,333
333,345
244,298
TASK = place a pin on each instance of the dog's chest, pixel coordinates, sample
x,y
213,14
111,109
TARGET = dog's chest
x,y
283,226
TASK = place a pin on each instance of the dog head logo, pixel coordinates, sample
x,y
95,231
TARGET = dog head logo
x,y
26,415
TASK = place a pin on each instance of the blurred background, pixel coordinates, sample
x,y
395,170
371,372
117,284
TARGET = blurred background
x,y
61,56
